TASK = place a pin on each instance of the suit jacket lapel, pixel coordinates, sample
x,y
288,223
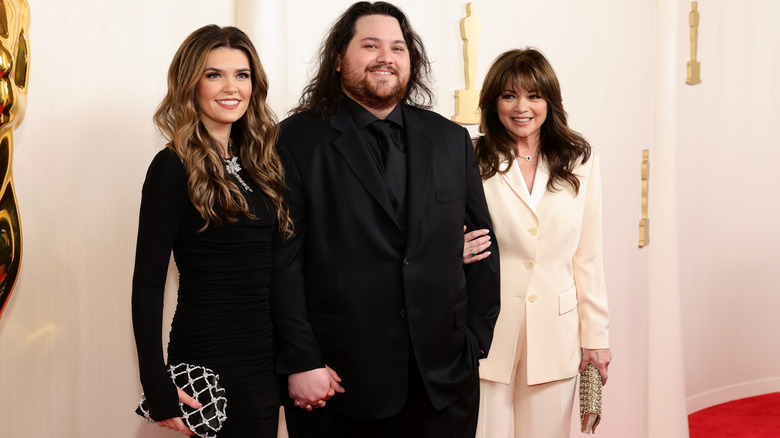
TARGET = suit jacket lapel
x,y
540,182
351,147
419,153
514,178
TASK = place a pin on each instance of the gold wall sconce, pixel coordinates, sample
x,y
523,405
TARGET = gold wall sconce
x,y
693,76
644,222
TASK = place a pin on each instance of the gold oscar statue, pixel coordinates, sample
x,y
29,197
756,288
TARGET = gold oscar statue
x,y
693,77
14,71
644,222
467,101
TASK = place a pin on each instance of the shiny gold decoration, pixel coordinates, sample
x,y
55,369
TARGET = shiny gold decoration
x,y
693,76
644,222
590,399
14,71
467,101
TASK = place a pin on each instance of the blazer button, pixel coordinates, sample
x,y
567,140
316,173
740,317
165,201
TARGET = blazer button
x,y
406,262
533,231
402,313
532,298
529,264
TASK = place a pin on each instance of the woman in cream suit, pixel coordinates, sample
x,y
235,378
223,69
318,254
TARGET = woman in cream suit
x,y
543,189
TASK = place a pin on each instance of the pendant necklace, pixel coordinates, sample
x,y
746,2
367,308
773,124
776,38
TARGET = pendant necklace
x,y
527,157
232,167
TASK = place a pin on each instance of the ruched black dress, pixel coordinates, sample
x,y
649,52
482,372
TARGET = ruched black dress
x,y
222,318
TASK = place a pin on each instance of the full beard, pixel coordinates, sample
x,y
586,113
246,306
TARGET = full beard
x,y
379,96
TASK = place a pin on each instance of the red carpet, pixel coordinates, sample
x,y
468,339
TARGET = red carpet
x,y
753,417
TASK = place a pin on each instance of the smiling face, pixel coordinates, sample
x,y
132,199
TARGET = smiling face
x,y
375,67
522,113
224,89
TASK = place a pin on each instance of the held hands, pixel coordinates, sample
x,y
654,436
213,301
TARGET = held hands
x,y
474,242
311,389
176,423
600,358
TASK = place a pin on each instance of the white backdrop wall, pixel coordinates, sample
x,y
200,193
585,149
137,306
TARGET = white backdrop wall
x,y
67,360
729,208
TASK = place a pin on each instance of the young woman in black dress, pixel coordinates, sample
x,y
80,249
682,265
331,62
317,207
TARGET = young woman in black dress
x,y
213,196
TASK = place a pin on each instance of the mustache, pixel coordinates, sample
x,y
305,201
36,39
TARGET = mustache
x,y
382,67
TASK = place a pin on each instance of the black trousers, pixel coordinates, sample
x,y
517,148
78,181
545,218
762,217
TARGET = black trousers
x,y
261,427
417,419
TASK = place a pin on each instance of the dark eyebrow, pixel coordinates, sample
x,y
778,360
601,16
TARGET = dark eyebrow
x,y
377,40
219,70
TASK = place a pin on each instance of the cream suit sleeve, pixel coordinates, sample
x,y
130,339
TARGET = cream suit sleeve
x,y
588,265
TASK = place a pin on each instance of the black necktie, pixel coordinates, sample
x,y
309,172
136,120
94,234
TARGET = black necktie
x,y
394,161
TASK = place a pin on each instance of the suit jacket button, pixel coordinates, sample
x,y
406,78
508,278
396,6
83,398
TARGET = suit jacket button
x,y
533,231
402,313
406,262
532,298
529,264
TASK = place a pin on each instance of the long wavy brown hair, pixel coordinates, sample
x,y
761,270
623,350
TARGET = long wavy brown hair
x,y
216,197
324,96
561,147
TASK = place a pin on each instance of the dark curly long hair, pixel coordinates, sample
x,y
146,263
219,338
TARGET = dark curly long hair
x,y
215,196
561,147
324,96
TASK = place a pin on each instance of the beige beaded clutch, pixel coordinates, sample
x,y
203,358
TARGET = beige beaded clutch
x,y
590,399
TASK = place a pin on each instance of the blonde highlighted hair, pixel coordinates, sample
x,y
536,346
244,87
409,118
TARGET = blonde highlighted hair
x,y
216,197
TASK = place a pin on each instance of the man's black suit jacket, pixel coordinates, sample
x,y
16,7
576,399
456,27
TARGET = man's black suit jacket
x,y
355,290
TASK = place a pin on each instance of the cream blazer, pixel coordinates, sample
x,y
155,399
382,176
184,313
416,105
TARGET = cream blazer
x,y
551,273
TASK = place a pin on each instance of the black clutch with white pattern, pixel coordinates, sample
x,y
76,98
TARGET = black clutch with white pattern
x,y
203,385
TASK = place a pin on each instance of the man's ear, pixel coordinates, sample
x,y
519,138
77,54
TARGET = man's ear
x,y
338,66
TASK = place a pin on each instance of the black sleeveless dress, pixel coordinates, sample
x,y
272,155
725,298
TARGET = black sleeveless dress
x,y
222,318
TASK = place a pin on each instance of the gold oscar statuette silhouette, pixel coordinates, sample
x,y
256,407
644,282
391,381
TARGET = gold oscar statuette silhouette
x,y
693,76
644,222
467,101
14,71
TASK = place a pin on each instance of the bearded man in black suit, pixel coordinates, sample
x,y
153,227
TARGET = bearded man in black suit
x,y
373,310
